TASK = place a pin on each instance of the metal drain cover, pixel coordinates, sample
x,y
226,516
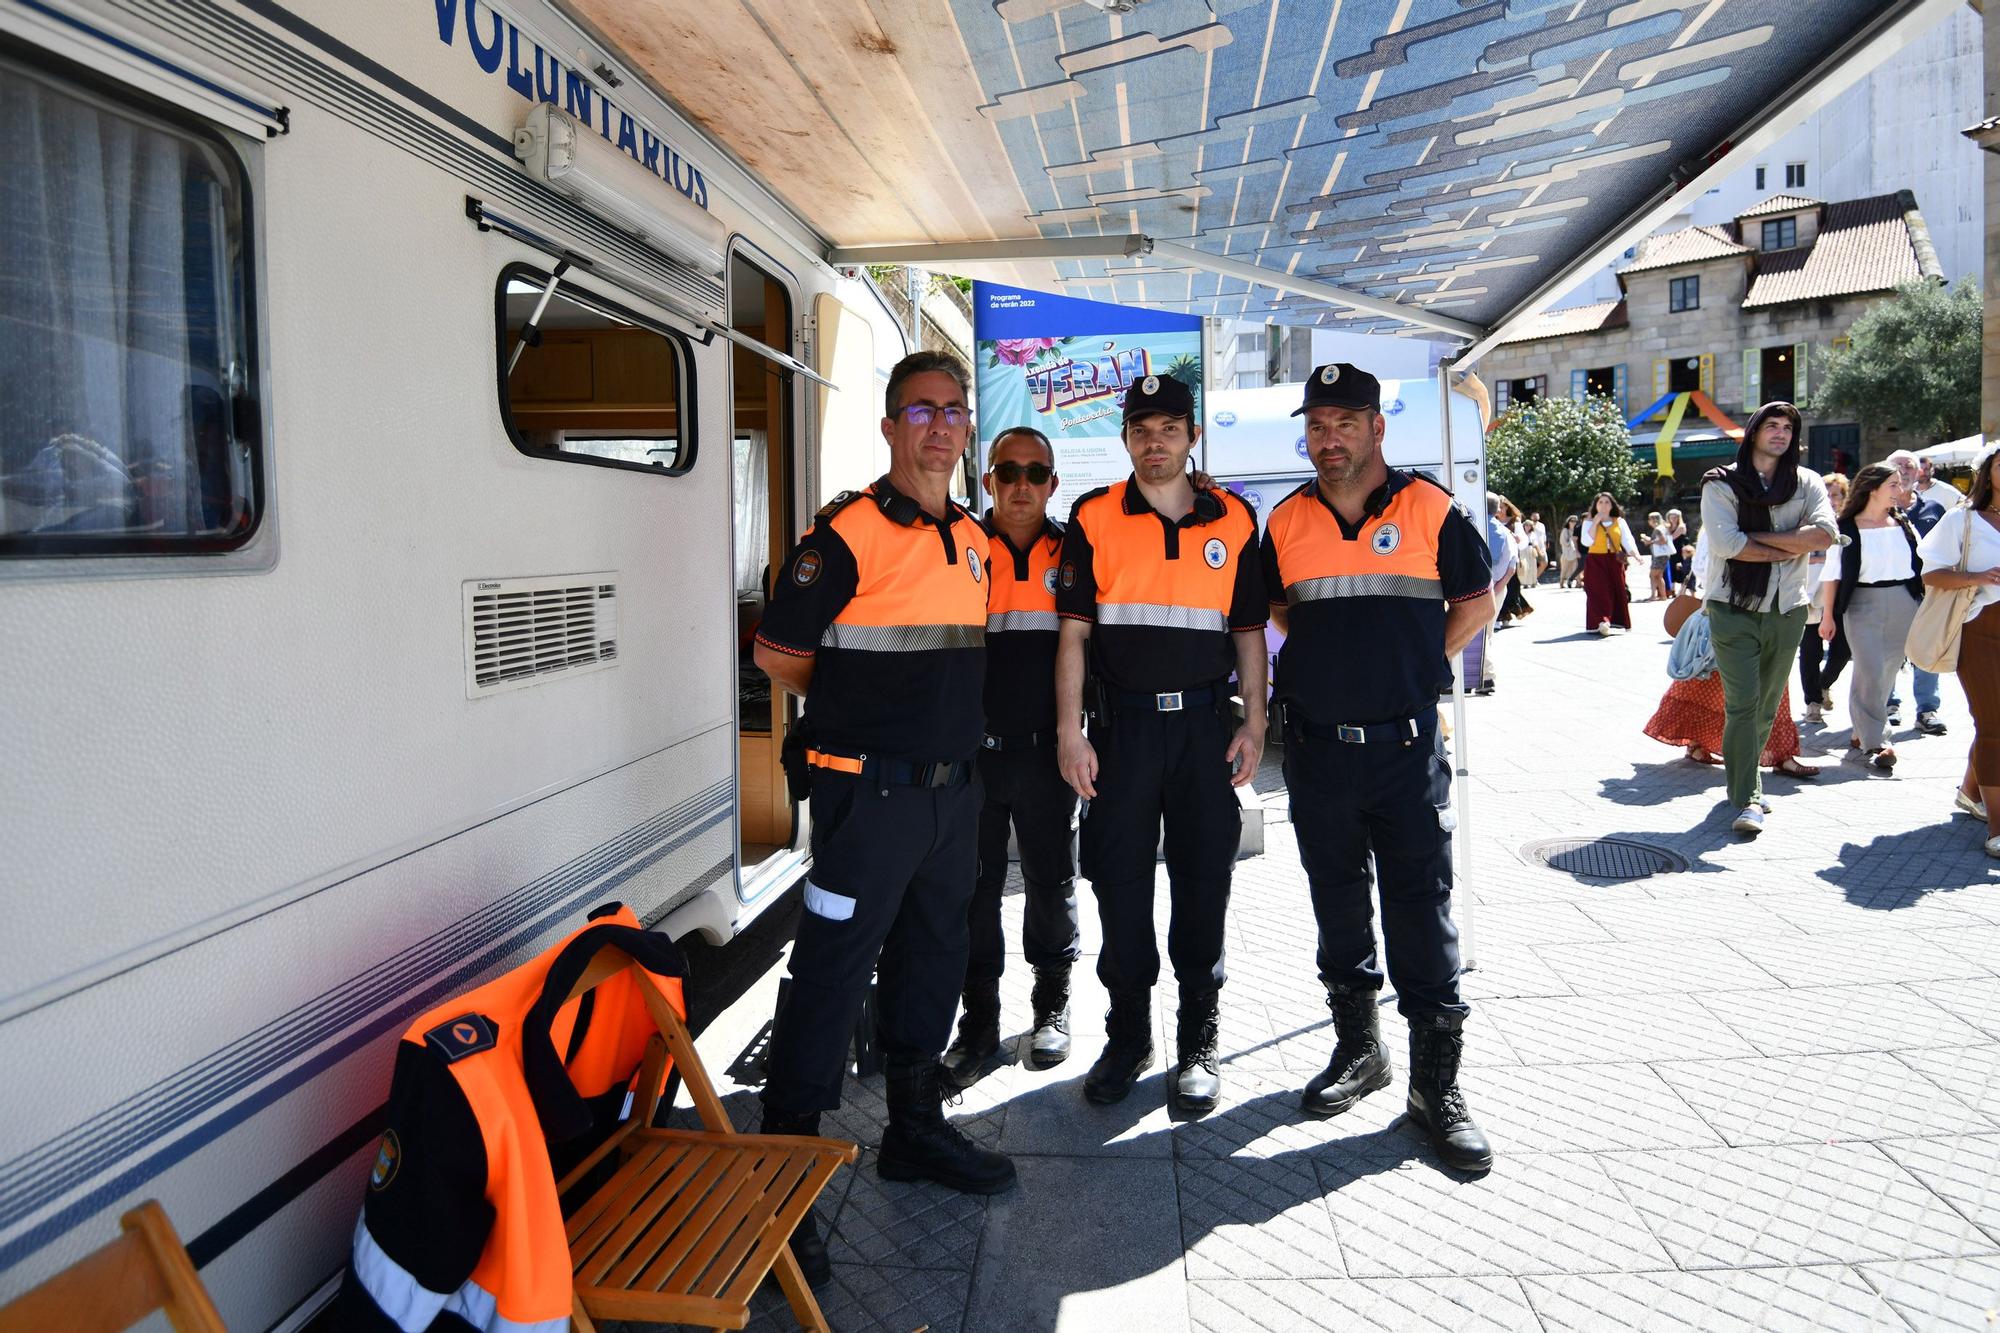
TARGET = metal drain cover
x,y
1609,859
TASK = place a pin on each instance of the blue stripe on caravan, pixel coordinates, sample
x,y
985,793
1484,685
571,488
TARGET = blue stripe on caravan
x,y
38,1188
45,1172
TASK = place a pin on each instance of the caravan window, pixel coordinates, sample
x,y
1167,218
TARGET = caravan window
x,y
128,417
594,383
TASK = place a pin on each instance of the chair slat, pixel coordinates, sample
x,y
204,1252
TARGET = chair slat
x,y
754,1225
640,1236
722,1233
614,1200
785,1221
690,1232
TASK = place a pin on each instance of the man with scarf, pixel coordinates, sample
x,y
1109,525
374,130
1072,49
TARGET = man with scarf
x,y
1763,516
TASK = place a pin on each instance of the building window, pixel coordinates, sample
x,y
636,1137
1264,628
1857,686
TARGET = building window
x,y
1684,294
1250,342
594,384
1684,374
1515,393
1760,177
1795,175
1780,234
130,378
1777,378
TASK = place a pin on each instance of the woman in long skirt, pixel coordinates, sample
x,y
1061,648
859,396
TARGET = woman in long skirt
x,y
1607,544
1877,587
1690,716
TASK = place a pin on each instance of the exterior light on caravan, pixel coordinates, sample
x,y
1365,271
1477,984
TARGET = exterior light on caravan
x,y
577,161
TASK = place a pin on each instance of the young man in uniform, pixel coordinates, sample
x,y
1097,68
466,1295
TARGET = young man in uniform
x,y
1017,765
1378,579
879,620
1159,585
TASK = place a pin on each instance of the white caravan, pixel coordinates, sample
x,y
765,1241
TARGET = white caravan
x,y
1253,444
355,643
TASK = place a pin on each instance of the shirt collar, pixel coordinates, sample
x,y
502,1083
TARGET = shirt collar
x,y
1208,506
890,501
1050,532
1378,499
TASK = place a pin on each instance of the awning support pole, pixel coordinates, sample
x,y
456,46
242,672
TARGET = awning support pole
x,y
1461,854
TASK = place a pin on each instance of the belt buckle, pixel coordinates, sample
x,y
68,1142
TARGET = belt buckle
x,y
938,775
1352,735
990,742
1168,703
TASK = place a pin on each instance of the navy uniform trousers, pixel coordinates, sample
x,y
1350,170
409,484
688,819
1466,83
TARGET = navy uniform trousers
x,y
1393,800
891,878
1025,789
1152,765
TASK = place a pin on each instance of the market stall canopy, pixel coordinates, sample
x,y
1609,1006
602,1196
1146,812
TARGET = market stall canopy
x,y
1449,164
1954,453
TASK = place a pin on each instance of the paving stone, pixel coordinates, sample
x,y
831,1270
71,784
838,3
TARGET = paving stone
x,y
1964,1170
872,1297
1607,1029
1393,1305
1978,945
1522,924
1969,1073
913,1224
1941,1293
1259,1118
1856,959
1830,1019
1706,916
1583,1108
1823,1203
1533,1213
1824,910
1509,973
1049,1115
1255,1219
1817,1098
1643,969
1759,1300
1976,1001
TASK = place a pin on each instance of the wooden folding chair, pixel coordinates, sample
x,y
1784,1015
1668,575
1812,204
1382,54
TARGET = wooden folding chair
x,y
144,1270
691,1221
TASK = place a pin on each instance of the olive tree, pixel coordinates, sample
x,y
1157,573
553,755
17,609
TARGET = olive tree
x,y
1554,455
1911,362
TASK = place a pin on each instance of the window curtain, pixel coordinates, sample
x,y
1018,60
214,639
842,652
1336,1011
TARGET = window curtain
x,y
752,489
114,262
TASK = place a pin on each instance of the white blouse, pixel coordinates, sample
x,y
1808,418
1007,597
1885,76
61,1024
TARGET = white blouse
x,y
1885,557
1939,549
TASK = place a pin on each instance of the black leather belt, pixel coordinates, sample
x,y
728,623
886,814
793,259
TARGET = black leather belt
x,y
893,772
1404,731
1172,701
1031,741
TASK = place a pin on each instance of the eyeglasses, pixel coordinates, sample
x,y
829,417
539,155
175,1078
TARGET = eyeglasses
x,y
1009,473
922,414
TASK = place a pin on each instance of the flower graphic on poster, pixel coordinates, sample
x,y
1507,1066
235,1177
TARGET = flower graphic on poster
x,y
1027,353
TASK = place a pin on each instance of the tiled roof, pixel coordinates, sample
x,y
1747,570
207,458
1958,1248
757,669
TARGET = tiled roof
x,y
1780,203
1863,246
1689,245
1595,318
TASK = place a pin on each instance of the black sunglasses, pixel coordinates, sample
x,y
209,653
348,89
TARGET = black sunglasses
x,y
1009,473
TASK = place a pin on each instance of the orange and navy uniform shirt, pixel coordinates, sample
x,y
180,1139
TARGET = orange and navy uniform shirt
x,y
891,605
1367,601
1162,596
1021,632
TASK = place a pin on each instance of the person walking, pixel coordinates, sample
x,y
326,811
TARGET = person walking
x,y
1923,514
1023,789
1973,531
1161,593
1659,550
1763,517
1822,660
1538,539
1378,579
1607,543
1877,589
1569,552
1514,604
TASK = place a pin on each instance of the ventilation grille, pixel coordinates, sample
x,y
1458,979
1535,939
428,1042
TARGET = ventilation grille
x,y
525,631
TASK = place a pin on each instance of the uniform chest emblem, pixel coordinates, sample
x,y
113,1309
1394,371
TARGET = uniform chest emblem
x,y
1049,580
1386,539
806,569
1068,575
387,1158
1214,552
972,564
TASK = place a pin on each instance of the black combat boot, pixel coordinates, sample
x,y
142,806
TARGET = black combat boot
x,y
807,1246
978,1034
1128,1048
1359,1065
1196,1086
1437,1044
1049,1045
920,1144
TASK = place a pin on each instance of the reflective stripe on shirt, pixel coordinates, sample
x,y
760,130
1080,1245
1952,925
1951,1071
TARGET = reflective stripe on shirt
x,y
1161,617
902,638
1001,621
1365,585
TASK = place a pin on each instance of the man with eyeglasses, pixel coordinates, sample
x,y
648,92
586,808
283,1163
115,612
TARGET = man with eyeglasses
x,y
1017,766
878,620
1160,589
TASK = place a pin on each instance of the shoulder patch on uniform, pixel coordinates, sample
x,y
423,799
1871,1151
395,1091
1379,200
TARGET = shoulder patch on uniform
x,y
456,1038
805,570
388,1157
837,503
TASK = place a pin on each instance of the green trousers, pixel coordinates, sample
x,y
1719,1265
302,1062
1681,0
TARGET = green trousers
x,y
1754,650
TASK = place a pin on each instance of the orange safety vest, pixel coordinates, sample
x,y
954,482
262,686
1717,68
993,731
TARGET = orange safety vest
x,y
507,1058
1024,598
1395,554
907,599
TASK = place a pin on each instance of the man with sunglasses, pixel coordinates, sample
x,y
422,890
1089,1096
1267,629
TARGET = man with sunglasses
x,y
1161,590
1017,766
878,619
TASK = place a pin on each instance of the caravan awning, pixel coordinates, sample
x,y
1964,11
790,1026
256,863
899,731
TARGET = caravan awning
x,y
1447,162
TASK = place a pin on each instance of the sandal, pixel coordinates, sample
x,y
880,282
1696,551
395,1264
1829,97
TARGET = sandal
x,y
1701,755
1792,768
1884,759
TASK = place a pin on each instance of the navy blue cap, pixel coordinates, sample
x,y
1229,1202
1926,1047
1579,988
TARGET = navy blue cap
x,y
1341,385
1159,393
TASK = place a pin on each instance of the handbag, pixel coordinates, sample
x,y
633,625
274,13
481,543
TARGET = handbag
x,y
1692,654
1933,639
1684,605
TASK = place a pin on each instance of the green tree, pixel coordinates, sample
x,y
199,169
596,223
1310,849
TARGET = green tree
x,y
1911,362
1555,454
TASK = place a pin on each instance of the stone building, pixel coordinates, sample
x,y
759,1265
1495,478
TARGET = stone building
x,y
1741,311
